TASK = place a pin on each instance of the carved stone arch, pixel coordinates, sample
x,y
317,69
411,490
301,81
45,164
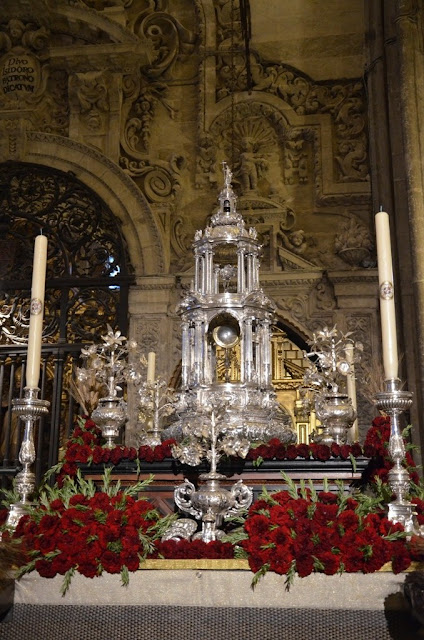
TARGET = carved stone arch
x,y
79,21
296,332
145,243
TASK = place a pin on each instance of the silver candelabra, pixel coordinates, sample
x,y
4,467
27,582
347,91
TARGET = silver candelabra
x,y
394,401
29,408
157,401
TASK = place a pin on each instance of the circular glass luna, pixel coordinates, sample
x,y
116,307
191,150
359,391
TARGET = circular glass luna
x,y
225,336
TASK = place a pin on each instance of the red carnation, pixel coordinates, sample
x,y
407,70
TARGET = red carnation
x,y
304,565
45,568
111,562
99,454
303,451
116,455
345,451
291,452
327,497
146,453
356,449
321,452
335,449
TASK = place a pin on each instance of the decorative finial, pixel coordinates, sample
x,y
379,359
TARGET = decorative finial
x,y
228,175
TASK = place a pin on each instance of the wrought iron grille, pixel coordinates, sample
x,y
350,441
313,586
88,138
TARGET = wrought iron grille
x,y
88,277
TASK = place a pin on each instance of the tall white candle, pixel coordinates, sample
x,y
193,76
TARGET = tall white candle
x,y
351,390
387,300
37,312
151,363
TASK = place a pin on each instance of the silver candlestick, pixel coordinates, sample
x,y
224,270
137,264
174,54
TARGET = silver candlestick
x,y
393,401
29,408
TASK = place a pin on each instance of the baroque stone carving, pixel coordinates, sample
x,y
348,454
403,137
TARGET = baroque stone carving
x,y
293,306
22,69
353,243
167,40
344,100
90,91
322,296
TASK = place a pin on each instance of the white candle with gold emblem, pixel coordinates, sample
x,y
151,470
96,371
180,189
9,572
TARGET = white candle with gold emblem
x,y
386,293
37,312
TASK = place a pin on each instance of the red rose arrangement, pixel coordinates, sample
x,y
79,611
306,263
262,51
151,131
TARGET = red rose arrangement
x,y
85,446
301,531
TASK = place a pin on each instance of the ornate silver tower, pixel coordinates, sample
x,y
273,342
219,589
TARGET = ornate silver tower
x,y
226,320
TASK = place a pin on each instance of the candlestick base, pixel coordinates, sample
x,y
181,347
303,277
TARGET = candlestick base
x,y
30,408
393,401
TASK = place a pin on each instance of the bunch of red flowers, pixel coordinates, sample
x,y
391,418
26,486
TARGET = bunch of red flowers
x,y
187,549
88,534
85,446
276,450
290,533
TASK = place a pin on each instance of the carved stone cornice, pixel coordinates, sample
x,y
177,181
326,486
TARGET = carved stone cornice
x,y
120,58
357,275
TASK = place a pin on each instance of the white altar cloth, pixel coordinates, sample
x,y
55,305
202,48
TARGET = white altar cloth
x,y
200,588
204,604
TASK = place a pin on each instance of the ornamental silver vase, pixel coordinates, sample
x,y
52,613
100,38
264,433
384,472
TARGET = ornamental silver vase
x,y
335,412
109,416
212,503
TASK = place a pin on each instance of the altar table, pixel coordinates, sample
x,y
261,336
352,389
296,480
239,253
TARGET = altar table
x,y
211,604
